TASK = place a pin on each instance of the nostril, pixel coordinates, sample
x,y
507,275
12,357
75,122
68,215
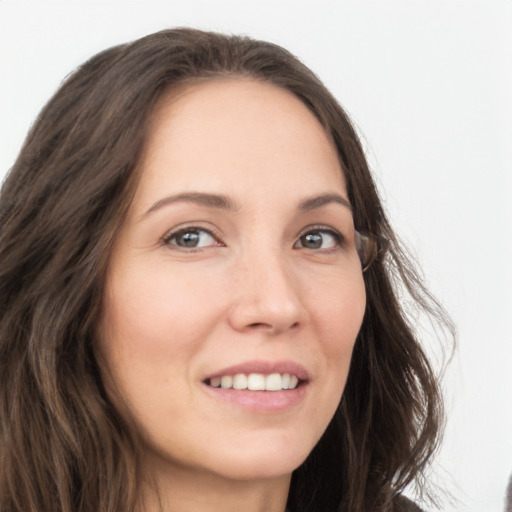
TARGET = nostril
x,y
269,327
259,325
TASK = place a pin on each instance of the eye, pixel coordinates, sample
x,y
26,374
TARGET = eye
x,y
319,239
191,238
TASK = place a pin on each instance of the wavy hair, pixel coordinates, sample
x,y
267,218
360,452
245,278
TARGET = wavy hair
x,y
63,446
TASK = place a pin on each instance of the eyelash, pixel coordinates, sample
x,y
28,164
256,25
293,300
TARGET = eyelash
x,y
336,235
189,229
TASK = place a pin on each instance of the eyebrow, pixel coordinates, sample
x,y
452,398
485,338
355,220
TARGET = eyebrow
x,y
217,201
221,202
315,202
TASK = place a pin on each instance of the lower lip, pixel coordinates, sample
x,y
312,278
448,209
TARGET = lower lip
x,y
261,401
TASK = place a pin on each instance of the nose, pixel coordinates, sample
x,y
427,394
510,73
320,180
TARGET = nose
x,y
267,297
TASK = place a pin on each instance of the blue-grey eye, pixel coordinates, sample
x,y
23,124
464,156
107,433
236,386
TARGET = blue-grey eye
x,y
191,238
319,239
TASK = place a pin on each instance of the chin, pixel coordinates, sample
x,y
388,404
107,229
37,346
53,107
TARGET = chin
x,y
259,463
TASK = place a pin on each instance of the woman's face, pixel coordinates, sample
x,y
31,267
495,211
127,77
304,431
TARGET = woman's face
x,y
236,266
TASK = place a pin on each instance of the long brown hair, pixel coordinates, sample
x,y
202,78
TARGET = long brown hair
x,y
63,446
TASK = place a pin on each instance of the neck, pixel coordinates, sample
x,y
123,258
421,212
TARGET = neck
x,y
188,490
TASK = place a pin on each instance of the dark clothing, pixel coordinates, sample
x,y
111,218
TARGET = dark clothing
x,y
403,504
508,499
400,504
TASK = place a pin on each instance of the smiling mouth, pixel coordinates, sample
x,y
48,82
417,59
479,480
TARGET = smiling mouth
x,y
256,382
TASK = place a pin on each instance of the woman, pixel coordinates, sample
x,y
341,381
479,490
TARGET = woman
x,y
197,312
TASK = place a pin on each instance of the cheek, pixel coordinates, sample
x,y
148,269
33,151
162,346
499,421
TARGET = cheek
x,y
339,316
340,311
151,328
157,311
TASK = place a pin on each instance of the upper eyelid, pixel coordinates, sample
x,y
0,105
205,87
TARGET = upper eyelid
x,y
320,227
168,235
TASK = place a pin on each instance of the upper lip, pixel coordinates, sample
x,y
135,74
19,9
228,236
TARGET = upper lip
x,y
264,367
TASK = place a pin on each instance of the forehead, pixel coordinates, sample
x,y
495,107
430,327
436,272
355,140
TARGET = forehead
x,y
237,136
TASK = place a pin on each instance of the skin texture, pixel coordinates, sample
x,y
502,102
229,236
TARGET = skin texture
x,y
250,291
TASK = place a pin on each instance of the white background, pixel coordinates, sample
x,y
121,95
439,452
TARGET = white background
x,y
429,84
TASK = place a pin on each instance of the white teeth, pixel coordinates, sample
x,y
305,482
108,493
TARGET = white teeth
x,y
273,382
240,381
226,382
256,381
215,382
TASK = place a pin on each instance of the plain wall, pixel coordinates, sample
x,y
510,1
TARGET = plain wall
x,y
429,85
